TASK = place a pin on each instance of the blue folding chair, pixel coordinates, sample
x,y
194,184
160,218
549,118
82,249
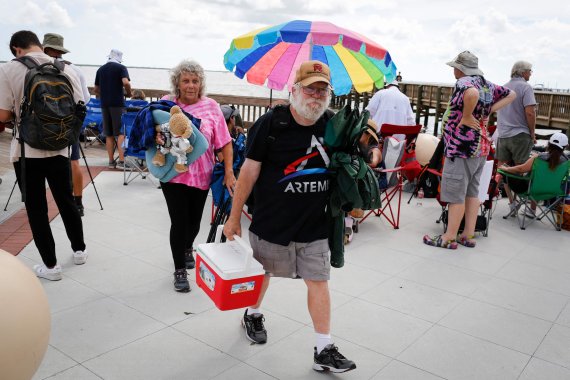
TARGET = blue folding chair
x,y
135,164
92,128
131,103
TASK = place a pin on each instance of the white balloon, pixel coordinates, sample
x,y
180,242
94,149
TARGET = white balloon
x,y
425,146
25,320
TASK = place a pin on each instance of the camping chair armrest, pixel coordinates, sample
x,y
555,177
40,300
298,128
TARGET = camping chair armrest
x,y
512,175
435,172
396,169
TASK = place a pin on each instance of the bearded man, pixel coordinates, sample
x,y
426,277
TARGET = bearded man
x,y
286,168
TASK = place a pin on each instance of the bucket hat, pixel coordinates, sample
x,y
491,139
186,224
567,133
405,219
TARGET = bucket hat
x,y
467,62
54,41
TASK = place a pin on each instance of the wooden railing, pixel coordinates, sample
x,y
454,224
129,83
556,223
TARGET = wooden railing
x,y
250,108
428,100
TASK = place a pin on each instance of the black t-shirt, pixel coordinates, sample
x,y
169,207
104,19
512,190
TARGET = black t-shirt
x,y
292,189
109,78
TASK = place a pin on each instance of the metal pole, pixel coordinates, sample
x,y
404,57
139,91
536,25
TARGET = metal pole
x,y
10,197
90,176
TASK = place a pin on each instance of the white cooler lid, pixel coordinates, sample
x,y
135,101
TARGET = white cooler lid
x,y
228,260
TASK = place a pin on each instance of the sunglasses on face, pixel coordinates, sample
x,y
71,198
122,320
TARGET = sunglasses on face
x,y
319,91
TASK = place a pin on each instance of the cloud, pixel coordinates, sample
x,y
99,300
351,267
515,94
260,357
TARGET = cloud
x,y
51,14
420,36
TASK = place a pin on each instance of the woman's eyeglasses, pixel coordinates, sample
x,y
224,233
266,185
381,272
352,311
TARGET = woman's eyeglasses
x,y
319,91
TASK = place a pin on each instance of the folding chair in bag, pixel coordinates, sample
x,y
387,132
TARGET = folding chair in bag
x,y
541,185
92,128
135,164
221,199
394,169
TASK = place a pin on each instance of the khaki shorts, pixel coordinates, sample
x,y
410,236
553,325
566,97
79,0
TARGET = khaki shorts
x,y
309,261
460,178
516,148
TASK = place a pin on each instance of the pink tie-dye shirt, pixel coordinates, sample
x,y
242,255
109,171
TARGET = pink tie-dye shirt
x,y
463,141
213,127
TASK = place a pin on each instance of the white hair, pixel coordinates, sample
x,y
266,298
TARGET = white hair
x,y
187,66
519,68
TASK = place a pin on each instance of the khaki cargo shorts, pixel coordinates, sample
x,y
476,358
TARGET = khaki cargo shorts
x,y
516,148
460,178
309,261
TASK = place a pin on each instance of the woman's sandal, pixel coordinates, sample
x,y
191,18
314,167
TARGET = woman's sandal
x,y
466,241
437,241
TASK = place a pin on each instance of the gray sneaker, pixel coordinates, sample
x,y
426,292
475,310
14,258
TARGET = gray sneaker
x,y
254,328
124,165
181,283
331,360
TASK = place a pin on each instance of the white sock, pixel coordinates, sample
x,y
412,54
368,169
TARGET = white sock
x,y
322,341
251,311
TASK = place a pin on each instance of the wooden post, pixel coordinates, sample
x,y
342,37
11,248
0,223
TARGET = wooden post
x,y
550,103
419,103
437,115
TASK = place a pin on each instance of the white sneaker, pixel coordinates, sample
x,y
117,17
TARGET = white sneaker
x,y
530,213
52,274
80,257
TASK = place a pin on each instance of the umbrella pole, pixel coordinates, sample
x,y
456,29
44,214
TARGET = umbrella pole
x,y
270,98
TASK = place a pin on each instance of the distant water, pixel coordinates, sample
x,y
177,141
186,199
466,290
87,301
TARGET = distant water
x,y
217,82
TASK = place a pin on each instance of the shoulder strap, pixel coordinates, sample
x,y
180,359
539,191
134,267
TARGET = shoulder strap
x,y
27,61
280,118
31,63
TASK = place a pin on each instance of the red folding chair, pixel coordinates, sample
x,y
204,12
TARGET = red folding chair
x,y
392,212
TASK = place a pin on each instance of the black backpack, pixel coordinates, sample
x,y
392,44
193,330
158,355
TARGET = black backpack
x,y
49,117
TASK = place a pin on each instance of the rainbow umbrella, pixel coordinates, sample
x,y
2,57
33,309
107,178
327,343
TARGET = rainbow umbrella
x,y
271,55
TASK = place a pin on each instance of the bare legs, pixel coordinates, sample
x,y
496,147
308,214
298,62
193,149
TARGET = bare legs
x,y
318,300
456,211
110,143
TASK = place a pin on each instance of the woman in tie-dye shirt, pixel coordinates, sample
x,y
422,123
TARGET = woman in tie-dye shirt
x,y
466,147
186,193
467,141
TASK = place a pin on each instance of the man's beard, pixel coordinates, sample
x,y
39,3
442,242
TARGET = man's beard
x,y
311,109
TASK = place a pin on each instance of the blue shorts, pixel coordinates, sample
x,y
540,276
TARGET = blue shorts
x,y
74,152
112,120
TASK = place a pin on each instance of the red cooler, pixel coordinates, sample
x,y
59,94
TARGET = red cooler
x,y
228,273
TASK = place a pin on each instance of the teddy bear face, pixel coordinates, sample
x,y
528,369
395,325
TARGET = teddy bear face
x,y
179,124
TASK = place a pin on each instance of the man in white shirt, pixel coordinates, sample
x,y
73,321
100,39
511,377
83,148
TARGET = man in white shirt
x,y
41,165
390,106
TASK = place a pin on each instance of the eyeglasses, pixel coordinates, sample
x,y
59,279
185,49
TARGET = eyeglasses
x,y
319,91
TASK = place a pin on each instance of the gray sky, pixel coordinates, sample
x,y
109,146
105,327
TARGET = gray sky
x,y
420,35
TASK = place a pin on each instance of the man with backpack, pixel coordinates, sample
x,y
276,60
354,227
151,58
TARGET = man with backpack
x,y
53,46
288,165
42,158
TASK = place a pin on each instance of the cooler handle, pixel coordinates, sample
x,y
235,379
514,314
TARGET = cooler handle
x,y
219,232
248,251
246,247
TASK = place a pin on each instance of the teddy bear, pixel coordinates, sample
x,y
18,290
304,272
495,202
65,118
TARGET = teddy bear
x,y
175,133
